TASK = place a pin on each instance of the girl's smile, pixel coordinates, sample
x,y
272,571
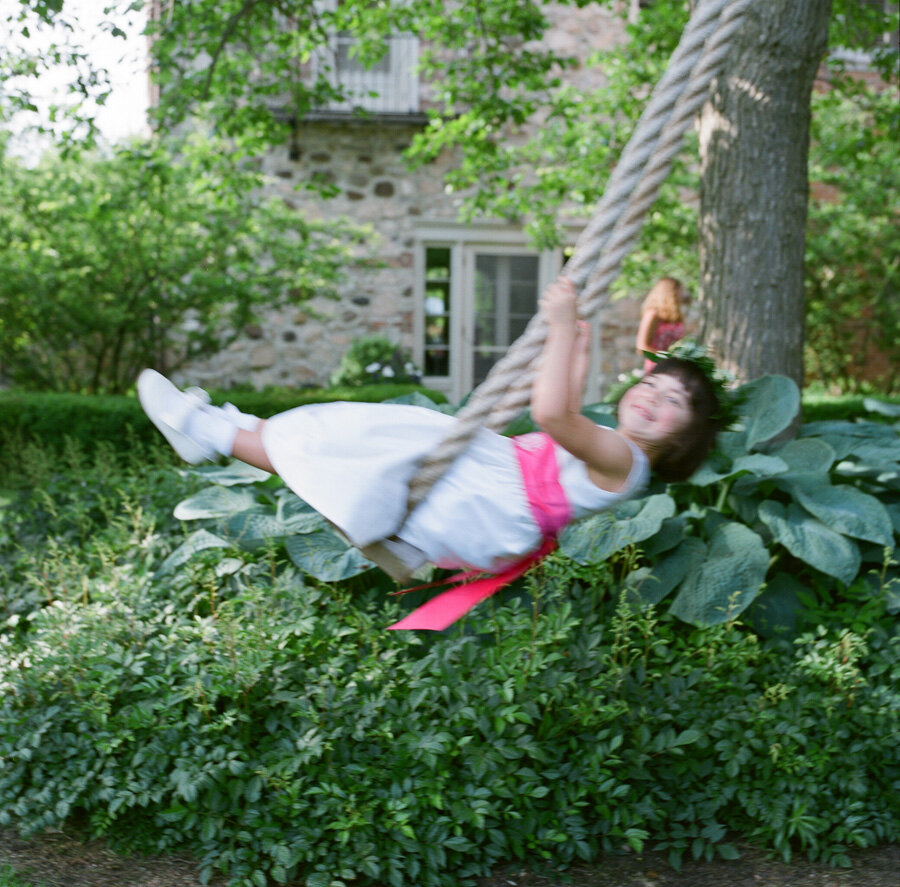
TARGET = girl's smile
x,y
657,407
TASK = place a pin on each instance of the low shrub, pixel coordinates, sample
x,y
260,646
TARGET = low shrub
x,y
373,359
87,420
229,698
277,730
69,516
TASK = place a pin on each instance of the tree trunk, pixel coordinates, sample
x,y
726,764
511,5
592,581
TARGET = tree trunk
x,y
754,140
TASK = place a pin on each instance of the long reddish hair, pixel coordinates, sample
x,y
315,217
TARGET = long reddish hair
x,y
665,299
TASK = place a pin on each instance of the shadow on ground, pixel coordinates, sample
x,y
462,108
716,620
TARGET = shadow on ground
x,y
61,859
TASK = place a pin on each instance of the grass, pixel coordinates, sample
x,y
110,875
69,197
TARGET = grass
x,y
9,878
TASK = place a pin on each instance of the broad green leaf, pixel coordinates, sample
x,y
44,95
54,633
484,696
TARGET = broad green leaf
x,y
877,452
670,534
601,414
811,541
229,566
202,540
253,528
893,510
806,455
775,612
232,474
757,465
215,502
745,507
892,590
845,509
772,403
326,557
649,585
521,424
884,475
864,441
732,444
858,430
729,578
593,540
882,407
300,516
416,398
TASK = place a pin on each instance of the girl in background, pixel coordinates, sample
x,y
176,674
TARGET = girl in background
x,y
662,318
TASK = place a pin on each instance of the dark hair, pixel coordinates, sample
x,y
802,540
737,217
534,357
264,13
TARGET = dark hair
x,y
695,443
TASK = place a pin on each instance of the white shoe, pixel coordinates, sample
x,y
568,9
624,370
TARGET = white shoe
x,y
169,410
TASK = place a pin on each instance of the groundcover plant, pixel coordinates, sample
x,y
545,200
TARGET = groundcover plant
x,y
219,689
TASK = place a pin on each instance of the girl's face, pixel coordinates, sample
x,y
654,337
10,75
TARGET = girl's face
x,y
655,409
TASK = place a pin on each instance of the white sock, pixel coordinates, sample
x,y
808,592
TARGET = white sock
x,y
244,421
212,427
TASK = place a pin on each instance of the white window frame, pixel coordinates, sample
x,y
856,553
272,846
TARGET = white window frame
x,y
395,91
464,242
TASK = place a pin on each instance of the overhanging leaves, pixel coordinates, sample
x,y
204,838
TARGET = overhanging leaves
x,y
811,541
326,557
772,403
730,577
593,540
845,509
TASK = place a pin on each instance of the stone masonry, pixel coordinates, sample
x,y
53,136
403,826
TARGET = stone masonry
x,y
364,161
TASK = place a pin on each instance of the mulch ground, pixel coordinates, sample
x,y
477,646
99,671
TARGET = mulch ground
x,y
61,859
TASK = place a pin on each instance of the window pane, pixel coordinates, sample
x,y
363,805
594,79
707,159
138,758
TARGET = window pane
x,y
517,326
437,311
505,299
437,263
522,296
485,331
437,362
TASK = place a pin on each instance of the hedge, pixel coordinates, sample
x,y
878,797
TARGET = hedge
x,y
87,420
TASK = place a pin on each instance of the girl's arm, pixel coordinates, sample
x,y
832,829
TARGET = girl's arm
x,y
581,360
645,331
556,393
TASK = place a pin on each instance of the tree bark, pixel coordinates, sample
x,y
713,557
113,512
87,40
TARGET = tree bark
x,y
754,141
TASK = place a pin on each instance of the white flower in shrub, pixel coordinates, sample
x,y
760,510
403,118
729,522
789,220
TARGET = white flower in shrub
x,y
388,372
373,367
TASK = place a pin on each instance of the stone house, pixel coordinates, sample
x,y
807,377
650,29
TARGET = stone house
x,y
454,295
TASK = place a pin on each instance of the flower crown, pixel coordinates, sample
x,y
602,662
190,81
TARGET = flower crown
x,y
727,398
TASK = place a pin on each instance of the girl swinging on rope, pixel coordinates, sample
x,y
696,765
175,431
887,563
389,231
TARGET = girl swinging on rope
x,y
502,502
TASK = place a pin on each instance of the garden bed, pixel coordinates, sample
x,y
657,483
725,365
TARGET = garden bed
x,y
61,859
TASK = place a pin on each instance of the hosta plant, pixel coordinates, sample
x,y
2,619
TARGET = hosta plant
x,y
768,518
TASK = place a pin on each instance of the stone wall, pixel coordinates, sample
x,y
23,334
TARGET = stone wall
x,y
364,162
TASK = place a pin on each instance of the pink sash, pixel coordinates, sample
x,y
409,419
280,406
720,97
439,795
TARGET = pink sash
x,y
551,511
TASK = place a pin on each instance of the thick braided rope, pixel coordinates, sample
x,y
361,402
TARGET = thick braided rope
x,y
644,165
628,225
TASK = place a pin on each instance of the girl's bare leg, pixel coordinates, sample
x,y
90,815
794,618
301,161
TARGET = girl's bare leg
x,y
248,447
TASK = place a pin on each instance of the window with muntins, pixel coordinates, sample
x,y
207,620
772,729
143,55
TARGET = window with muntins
x,y
478,289
387,86
437,312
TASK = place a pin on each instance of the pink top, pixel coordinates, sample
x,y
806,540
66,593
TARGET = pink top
x,y
540,476
664,336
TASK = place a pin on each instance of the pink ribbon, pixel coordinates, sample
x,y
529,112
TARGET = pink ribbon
x,y
551,511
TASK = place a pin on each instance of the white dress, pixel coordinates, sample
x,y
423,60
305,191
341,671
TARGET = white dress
x,y
352,462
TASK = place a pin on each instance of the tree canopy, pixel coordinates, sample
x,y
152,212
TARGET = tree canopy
x,y
245,66
153,256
